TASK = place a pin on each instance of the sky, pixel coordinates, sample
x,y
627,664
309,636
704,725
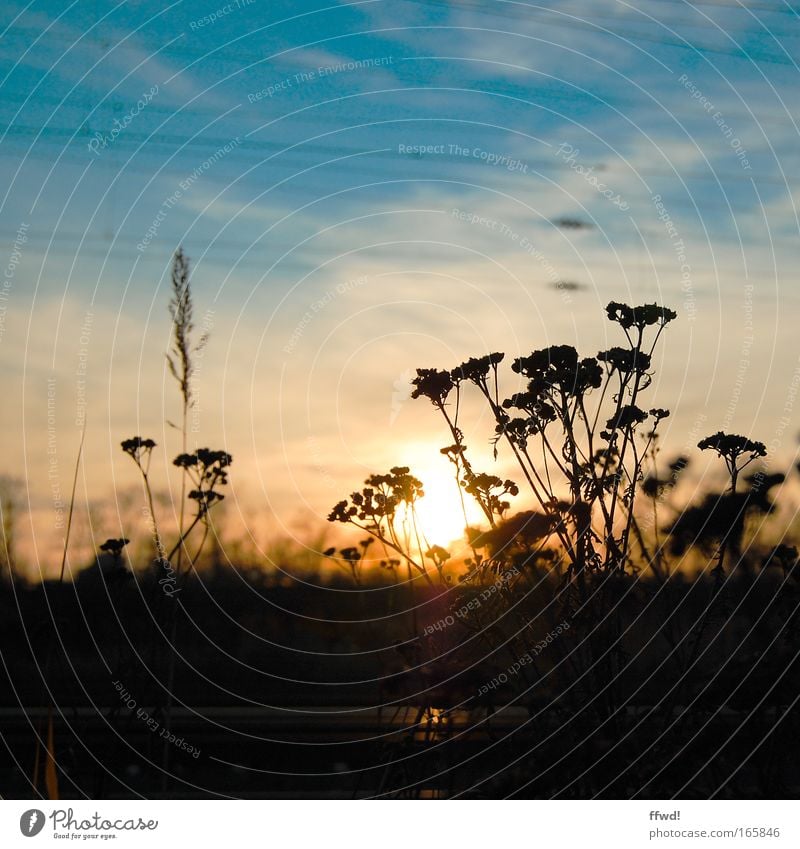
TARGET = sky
x,y
364,189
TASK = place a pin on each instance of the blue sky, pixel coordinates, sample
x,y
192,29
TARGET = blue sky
x,y
279,146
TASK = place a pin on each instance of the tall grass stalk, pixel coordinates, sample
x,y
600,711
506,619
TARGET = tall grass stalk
x,y
180,361
48,748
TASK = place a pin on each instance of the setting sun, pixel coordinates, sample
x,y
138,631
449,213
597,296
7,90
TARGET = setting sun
x,y
402,401
441,512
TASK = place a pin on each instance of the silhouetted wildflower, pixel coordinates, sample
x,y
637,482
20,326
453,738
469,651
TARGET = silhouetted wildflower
x,y
438,554
453,450
432,384
380,498
595,535
138,448
114,546
205,498
531,402
559,368
489,490
185,461
625,360
639,317
731,446
628,416
404,485
342,512
351,558
207,469
520,430
476,369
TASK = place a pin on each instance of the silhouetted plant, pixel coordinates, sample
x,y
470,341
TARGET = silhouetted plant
x,y
732,448
598,468
205,470
114,548
386,508
654,487
180,357
719,520
141,452
717,525
572,428
8,509
351,558
586,485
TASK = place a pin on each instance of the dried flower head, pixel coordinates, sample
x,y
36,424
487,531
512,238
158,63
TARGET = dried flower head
x,y
432,384
137,447
380,498
628,416
625,360
342,512
732,446
639,317
558,368
438,554
114,546
476,369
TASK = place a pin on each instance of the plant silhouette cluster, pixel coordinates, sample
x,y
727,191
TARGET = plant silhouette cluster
x,y
569,560
572,599
203,473
573,428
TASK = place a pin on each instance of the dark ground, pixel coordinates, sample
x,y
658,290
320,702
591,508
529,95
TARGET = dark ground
x,y
273,698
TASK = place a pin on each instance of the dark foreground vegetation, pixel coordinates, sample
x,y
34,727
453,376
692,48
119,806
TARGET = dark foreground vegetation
x,y
596,639
279,700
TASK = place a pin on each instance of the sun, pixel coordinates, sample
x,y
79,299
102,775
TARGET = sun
x,y
440,513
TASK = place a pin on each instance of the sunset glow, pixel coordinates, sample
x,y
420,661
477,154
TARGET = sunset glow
x,y
401,399
442,511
